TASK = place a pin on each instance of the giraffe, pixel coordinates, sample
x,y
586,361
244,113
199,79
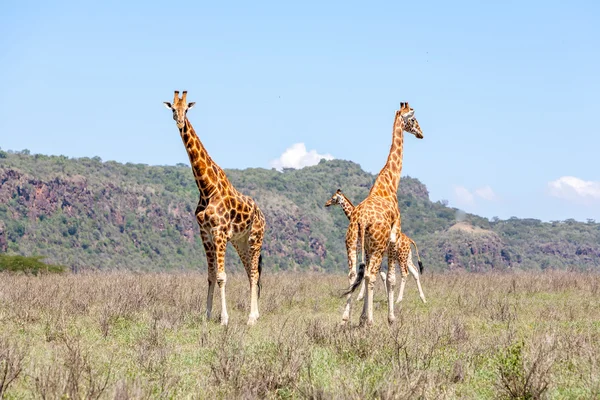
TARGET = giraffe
x,y
223,214
376,223
403,251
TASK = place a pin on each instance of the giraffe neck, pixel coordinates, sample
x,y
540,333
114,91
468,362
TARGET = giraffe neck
x,y
386,184
346,205
207,173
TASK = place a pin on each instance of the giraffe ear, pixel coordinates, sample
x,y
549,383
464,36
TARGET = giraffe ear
x,y
192,104
168,105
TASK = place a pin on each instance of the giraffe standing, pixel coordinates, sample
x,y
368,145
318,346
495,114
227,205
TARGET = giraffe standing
x,y
223,214
376,222
403,251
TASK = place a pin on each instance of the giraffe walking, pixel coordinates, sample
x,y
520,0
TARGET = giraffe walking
x,y
403,251
376,223
224,215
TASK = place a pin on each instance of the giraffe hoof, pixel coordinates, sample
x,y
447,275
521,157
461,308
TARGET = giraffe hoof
x,y
252,320
391,319
359,298
224,320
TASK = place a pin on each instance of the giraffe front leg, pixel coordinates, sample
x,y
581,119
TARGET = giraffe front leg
x,y
209,249
220,246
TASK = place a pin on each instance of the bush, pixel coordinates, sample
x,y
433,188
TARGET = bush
x,y
28,265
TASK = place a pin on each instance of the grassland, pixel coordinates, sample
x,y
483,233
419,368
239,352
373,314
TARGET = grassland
x,y
124,335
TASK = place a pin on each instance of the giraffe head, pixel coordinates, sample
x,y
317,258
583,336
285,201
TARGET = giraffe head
x,y
410,123
337,198
180,108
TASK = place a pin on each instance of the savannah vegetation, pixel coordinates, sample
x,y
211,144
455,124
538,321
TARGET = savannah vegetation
x,y
85,213
126,335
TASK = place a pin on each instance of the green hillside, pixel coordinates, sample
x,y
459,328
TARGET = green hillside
x,y
88,213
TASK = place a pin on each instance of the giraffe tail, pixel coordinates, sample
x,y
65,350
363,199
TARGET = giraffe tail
x,y
359,278
260,274
421,267
361,230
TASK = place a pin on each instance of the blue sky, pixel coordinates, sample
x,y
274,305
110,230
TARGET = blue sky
x,y
506,92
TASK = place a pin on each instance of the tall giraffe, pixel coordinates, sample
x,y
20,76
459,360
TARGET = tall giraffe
x,y
223,214
376,222
403,251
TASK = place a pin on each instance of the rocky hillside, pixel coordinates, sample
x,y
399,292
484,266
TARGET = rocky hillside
x,y
88,213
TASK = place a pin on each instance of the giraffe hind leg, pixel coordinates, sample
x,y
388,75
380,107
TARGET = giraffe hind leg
x,y
415,274
371,277
351,245
390,282
252,261
403,263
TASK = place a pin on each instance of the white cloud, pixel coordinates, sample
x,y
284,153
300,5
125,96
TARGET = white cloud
x,y
486,193
463,196
575,189
297,157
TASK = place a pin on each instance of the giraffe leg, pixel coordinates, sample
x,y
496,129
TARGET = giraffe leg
x,y
383,277
361,294
415,273
251,259
220,246
403,263
254,276
391,282
401,291
209,249
371,277
351,239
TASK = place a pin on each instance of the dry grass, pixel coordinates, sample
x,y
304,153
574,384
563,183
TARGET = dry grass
x,y
142,336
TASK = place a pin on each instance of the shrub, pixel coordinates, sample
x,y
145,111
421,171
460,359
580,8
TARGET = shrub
x,y
28,265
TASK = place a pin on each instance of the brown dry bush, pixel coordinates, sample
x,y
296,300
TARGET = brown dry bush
x,y
72,373
526,375
11,363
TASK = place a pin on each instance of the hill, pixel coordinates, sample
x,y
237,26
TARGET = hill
x,y
87,213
